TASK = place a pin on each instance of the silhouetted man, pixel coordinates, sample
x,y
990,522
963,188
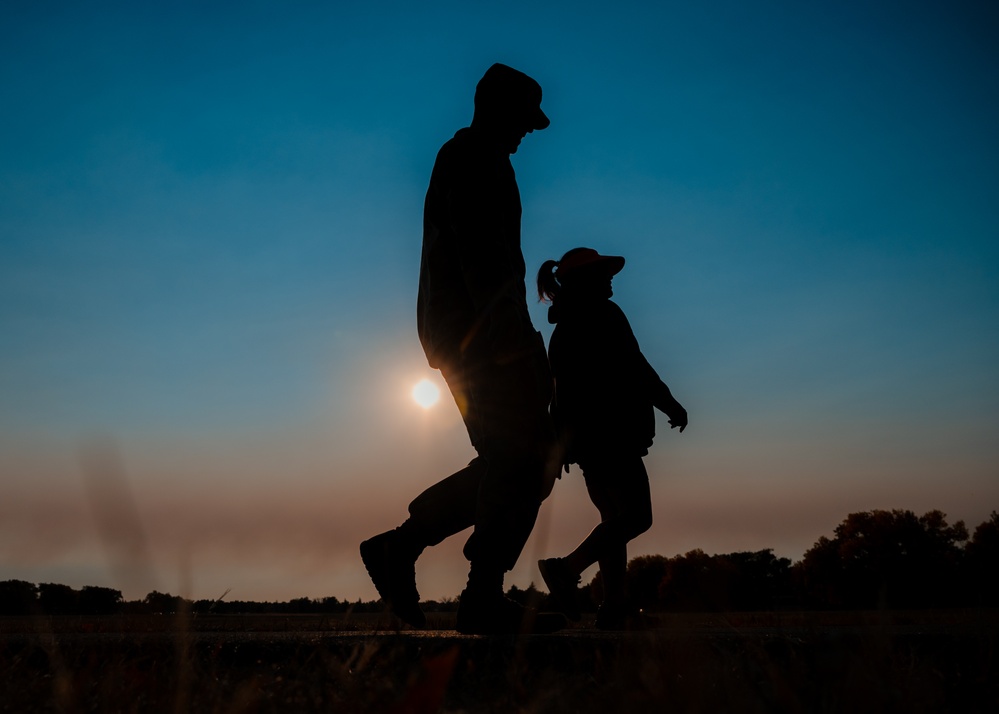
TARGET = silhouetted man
x,y
474,325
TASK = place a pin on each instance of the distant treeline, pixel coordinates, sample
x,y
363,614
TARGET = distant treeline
x,y
875,560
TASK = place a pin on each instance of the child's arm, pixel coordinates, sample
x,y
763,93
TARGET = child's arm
x,y
662,397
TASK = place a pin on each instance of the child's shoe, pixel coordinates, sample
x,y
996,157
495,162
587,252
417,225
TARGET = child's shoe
x,y
562,585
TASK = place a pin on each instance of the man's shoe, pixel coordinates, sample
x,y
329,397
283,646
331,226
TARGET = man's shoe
x,y
394,576
499,615
562,585
625,619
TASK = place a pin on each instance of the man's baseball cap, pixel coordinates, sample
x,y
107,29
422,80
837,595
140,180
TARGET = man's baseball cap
x,y
505,87
587,258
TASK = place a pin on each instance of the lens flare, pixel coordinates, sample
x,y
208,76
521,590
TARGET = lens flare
x,y
426,393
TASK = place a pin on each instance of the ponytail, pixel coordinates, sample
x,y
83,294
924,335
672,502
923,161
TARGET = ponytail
x,y
548,286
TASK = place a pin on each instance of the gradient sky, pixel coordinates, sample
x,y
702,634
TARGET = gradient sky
x,y
210,226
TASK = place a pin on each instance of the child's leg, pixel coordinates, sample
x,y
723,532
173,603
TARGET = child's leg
x,y
619,488
613,571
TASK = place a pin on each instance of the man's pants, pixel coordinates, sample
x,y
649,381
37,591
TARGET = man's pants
x,y
505,409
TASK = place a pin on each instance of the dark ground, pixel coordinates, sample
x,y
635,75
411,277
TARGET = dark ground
x,y
940,661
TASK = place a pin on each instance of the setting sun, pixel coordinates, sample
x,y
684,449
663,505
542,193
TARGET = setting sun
x,y
426,393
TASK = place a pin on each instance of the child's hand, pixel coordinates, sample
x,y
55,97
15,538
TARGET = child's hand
x,y
677,417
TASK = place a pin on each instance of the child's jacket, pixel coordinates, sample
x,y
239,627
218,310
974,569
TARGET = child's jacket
x,y
605,389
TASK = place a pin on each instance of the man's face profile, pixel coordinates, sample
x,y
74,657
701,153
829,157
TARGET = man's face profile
x,y
517,133
509,103
512,124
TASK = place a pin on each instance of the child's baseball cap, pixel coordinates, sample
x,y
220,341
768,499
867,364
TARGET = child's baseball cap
x,y
587,258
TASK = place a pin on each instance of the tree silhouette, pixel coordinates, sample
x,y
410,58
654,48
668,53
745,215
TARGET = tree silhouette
x,y
57,599
760,580
734,581
164,603
17,597
696,581
529,597
982,563
885,559
690,582
891,559
95,600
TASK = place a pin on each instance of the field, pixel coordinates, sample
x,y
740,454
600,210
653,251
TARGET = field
x,y
940,661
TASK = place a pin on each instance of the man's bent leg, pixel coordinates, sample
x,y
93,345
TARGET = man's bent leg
x,y
447,507
442,510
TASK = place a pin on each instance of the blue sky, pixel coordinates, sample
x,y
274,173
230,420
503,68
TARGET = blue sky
x,y
209,242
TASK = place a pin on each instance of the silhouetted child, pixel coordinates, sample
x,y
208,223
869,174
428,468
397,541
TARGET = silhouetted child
x,y
605,392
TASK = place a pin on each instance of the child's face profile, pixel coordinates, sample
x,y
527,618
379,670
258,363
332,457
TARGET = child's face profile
x,y
593,283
